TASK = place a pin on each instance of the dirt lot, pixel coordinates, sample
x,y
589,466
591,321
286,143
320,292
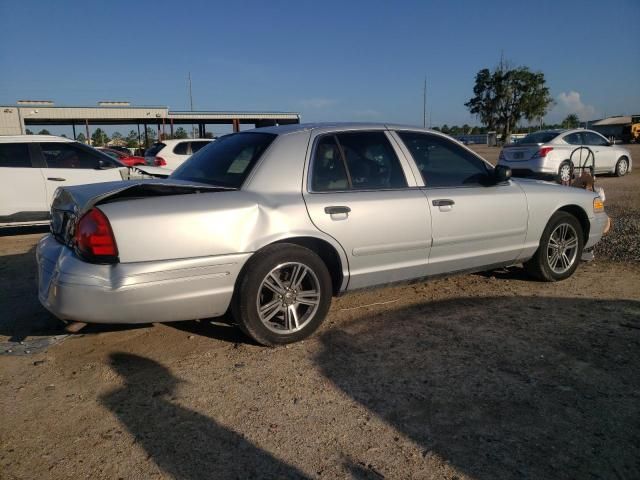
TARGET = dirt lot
x,y
478,376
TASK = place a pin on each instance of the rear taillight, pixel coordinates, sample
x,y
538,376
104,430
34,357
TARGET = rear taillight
x,y
160,162
542,152
94,237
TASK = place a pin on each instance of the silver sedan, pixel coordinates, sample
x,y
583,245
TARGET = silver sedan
x,y
273,222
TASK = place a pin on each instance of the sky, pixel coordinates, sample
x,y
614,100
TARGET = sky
x,y
328,60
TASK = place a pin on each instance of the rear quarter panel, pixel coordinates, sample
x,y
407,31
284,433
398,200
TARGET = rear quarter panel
x,y
207,224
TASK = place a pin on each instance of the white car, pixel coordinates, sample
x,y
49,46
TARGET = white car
x,y
172,153
32,167
557,152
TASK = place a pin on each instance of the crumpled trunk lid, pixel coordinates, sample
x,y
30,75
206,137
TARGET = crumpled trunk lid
x,y
70,203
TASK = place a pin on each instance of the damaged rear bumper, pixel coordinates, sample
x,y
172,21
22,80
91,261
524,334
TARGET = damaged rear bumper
x,y
142,292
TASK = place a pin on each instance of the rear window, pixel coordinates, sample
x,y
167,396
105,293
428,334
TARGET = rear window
x,y
539,137
153,150
14,155
227,161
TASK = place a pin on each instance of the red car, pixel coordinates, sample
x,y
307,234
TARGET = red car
x,y
128,160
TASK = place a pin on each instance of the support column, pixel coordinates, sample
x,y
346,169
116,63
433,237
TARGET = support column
x,y
236,125
139,137
86,124
73,126
146,137
171,126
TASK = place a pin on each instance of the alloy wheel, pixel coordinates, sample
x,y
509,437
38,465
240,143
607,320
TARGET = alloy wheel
x,y
562,249
288,298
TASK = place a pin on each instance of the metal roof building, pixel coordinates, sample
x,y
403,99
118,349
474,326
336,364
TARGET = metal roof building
x,y
14,119
618,127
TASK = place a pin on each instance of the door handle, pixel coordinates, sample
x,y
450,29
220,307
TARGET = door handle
x,y
443,202
56,179
336,209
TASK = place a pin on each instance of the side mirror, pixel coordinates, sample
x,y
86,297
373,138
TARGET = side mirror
x,y
501,173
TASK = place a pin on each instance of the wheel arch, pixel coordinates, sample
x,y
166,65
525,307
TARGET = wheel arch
x,y
327,253
578,212
338,269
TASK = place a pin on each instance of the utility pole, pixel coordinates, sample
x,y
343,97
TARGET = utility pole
x,y
193,128
424,104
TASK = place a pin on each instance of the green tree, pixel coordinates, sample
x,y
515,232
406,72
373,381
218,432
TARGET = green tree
x,y
28,132
81,138
117,138
99,138
151,137
44,131
132,139
506,95
180,133
571,121
445,129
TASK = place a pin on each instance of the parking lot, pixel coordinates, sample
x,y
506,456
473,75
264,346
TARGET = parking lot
x,y
478,376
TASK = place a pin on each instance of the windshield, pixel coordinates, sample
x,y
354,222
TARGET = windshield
x,y
227,161
539,137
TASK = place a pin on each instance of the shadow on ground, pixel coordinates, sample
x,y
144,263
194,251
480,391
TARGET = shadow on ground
x,y
502,387
20,311
183,443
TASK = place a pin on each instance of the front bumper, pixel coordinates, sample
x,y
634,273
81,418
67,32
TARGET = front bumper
x,y
600,224
143,292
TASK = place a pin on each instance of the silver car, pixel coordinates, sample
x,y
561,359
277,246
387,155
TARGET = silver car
x,y
273,222
558,152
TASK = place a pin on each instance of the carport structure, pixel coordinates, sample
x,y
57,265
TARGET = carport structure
x,y
14,119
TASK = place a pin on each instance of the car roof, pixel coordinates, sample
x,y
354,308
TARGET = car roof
x,y
33,138
175,141
299,127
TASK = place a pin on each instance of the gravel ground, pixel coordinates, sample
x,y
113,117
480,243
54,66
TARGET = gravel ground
x,y
473,377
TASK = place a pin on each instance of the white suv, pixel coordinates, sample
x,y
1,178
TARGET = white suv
x,y
32,167
171,153
556,152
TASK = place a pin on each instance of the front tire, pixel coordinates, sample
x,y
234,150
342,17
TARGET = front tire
x,y
283,295
622,167
560,249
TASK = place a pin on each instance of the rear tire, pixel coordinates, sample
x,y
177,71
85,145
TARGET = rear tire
x,y
560,249
622,167
283,294
565,172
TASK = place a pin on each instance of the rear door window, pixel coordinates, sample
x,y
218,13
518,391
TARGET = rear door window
x,y
574,138
15,155
444,163
181,149
356,161
69,155
329,173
